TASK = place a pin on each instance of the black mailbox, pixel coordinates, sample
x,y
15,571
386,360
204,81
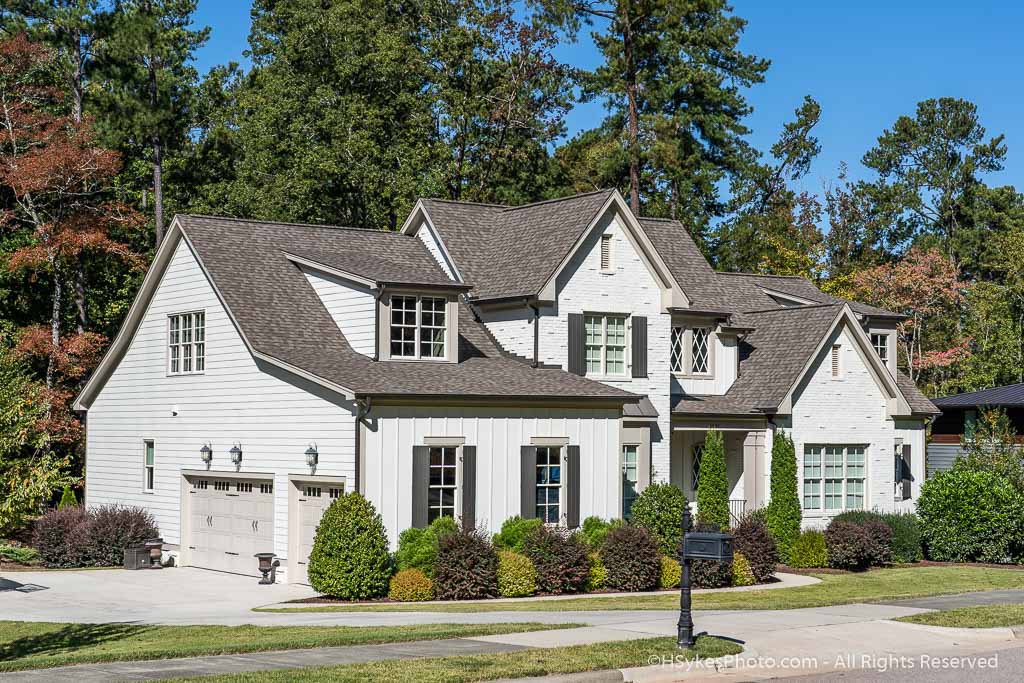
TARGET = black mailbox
x,y
707,545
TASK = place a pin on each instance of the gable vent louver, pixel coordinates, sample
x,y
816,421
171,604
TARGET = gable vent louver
x,y
606,252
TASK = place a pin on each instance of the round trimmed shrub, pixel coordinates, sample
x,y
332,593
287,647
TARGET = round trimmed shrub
x,y
671,573
971,515
517,576
513,531
809,551
59,537
350,557
849,546
598,575
906,536
742,573
467,566
410,585
417,548
632,558
113,528
751,538
560,559
659,509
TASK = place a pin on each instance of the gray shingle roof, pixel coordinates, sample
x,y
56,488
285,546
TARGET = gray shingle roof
x,y
1009,395
282,317
512,251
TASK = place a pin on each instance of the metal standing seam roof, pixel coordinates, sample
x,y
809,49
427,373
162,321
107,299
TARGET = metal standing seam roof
x,y
1010,395
282,317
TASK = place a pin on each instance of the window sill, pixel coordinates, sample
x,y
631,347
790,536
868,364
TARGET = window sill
x,y
149,491
611,378
186,374
684,375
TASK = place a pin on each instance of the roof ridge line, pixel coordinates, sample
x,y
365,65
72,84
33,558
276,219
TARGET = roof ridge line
x,y
781,277
322,226
462,201
802,307
557,199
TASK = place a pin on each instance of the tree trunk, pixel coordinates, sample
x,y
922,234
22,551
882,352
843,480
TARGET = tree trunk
x,y
158,190
58,295
634,122
81,308
77,77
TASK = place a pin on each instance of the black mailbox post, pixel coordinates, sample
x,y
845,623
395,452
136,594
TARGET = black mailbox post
x,y
697,545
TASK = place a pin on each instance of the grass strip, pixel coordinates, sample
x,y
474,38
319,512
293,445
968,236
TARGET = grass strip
x,y
835,589
539,662
37,645
983,616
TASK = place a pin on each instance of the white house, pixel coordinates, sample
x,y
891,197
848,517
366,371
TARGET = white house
x,y
547,360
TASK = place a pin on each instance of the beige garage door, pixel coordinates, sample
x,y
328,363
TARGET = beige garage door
x,y
230,521
314,499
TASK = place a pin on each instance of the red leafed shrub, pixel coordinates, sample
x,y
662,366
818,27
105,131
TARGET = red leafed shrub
x,y
58,536
76,537
560,558
631,557
849,546
751,538
466,567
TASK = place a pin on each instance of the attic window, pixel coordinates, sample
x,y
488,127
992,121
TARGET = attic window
x,y
186,343
835,361
606,252
418,327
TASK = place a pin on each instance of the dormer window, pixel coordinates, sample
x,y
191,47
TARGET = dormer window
x,y
691,350
418,327
881,344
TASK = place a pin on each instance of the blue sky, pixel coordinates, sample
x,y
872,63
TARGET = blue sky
x,y
866,63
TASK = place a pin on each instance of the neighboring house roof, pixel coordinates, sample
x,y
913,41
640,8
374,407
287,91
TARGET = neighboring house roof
x,y
509,251
283,321
1009,395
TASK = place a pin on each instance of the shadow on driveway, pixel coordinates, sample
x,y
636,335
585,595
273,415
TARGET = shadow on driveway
x,y
9,585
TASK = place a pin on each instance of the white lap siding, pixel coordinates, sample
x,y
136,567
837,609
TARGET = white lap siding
x,y
498,434
352,307
273,420
850,410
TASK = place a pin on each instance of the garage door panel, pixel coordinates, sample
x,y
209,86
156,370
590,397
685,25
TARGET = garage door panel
x,y
313,501
231,520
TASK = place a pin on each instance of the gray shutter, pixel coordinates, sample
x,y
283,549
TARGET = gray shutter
x,y
528,483
639,346
577,345
468,511
572,486
906,472
420,484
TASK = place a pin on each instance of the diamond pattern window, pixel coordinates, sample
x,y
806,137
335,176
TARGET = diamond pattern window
x,y
700,353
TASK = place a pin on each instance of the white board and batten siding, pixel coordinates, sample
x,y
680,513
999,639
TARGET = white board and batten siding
x,y
273,420
353,308
498,434
851,411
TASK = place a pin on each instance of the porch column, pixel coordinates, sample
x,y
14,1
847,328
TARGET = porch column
x,y
753,450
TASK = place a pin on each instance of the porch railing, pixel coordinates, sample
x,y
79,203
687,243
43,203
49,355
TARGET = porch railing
x,y
737,507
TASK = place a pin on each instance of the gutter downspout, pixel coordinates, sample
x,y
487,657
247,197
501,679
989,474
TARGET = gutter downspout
x,y
363,407
376,322
536,333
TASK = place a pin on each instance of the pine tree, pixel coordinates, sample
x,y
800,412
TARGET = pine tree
x,y
784,508
713,485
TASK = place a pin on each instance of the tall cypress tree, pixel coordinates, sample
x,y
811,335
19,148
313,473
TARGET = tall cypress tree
x,y
784,508
713,484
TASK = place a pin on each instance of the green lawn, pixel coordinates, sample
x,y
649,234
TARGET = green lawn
x,y
562,660
835,589
985,616
31,645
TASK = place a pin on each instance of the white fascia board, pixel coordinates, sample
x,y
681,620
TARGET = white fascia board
x,y
125,335
672,295
897,405
411,226
788,297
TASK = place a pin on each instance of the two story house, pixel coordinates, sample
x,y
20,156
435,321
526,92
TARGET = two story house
x,y
547,360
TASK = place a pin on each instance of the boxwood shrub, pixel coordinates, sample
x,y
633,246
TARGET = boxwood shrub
x,y
751,538
595,529
659,509
809,550
742,574
971,515
467,566
350,557
417,548
517,577
906,536
671,573
597,577
410,585
513,531
631,556
560,558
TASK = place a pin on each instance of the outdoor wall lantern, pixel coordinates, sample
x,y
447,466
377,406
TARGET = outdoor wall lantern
x,y
206,454
312,456
236,454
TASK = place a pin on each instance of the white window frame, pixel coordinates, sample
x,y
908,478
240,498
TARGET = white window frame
x,y
681,356
602,346
818,486
455,487
882,349
148,470
627,465
419,327
548,485
195,347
